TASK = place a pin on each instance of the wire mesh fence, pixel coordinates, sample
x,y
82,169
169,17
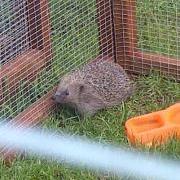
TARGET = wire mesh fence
x,y
43,39
158,27
147,35
13,29
70,28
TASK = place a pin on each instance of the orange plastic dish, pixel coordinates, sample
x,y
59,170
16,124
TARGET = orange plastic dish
x,y
154,128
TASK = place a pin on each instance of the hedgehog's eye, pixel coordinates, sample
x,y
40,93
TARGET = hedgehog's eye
x,y
66,92
81,88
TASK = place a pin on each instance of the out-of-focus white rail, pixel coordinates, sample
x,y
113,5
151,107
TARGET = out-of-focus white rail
x,y
86,153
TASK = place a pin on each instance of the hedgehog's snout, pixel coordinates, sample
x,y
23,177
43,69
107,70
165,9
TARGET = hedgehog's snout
x,y
60,97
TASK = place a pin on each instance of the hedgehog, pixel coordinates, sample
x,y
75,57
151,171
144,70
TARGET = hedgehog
x,y
95,86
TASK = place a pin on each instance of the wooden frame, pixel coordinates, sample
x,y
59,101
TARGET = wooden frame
x,y
127,53
106,27
27,65
118,42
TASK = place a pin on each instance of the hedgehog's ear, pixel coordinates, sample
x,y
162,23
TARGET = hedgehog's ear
x,y
81,88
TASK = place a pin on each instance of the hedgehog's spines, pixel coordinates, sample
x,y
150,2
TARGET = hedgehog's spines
x,y
107,84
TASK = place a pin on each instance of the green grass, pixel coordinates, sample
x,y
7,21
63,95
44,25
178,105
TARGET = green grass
x,y
158,26
75,41
153,93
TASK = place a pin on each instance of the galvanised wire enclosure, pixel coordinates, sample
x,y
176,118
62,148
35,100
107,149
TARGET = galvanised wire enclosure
x,y
40,40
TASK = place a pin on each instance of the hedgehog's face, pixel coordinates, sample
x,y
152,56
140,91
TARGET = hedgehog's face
x,y
68,93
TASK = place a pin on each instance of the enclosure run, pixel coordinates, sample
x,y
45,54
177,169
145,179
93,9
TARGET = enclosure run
x,y
41,40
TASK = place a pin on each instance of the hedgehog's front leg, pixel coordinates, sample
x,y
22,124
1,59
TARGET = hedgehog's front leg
x,y
85,110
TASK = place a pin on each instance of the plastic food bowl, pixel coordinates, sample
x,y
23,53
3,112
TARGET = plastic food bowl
x,y
154,128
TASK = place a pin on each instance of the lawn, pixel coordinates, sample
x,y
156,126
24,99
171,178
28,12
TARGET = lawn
x,y
158,26
107,125
75,41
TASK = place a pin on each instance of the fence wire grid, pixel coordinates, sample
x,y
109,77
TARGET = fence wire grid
x,y
73,37
43,39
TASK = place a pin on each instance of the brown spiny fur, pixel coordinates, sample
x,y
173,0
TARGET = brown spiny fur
x,y
95,86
